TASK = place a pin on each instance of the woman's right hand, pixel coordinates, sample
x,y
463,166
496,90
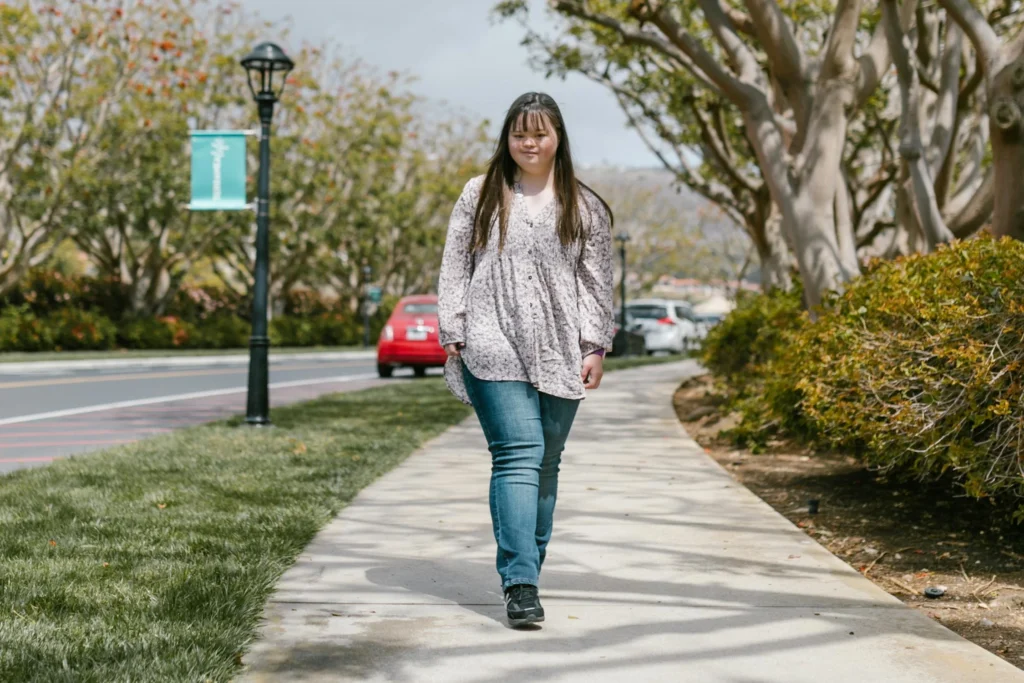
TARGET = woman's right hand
x,y
454,350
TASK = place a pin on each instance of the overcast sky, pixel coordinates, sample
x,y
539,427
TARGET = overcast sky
x,y
461,57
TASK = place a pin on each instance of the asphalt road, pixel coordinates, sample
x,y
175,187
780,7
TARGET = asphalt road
x,y
49,415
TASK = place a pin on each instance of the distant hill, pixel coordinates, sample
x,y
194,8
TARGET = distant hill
x,y
722,240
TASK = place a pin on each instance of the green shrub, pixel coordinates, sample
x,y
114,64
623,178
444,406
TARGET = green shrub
x,y
329,329
167,332
22,330
306,303
751,335
197,303
71,329
51,311
47,291
221,331
918,367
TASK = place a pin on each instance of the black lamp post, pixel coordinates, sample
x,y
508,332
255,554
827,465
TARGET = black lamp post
x,y
367,271
622,238
267,67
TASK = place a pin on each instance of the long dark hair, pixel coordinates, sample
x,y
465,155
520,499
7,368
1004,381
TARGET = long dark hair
x,y
495,195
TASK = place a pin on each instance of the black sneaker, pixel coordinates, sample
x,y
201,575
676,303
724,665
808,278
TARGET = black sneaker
x,y
523,605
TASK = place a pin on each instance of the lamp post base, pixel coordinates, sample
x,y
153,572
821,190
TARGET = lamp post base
x,y
257,411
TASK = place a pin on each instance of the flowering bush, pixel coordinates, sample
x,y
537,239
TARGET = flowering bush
x,y
71,329
45,291
167,332
918,367
22,330
52,312
738,348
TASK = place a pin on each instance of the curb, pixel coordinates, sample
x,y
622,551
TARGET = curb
x,y
30,367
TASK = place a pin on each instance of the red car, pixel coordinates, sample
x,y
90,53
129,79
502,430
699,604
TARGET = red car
x,y
410,339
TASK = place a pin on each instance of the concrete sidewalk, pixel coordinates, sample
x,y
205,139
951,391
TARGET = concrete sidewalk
x,y
662,568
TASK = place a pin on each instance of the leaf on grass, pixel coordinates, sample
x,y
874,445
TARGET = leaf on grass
x,y
356,457
53,543
161,505
300,448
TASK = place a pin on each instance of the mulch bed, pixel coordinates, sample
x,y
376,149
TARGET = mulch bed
x,y
904,536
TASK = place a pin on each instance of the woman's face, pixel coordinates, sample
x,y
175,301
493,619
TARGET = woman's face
x,y
533,143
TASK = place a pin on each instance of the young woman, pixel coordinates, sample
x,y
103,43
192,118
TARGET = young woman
x,y
525,308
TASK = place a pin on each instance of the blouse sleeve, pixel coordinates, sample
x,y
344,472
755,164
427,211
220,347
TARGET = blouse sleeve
x,y
456,269
595,282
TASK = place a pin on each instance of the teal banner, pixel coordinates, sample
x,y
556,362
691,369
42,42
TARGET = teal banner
x,y
218,170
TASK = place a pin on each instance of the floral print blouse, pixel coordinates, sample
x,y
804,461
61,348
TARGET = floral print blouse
x,y
529,312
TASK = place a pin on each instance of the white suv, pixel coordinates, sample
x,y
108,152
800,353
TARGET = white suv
x,y
667,325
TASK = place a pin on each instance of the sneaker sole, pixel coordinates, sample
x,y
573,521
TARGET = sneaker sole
x,y
525,621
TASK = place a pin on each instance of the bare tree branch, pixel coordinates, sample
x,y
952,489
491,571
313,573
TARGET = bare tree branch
x,y
977,28
632,36
715,144
922,190
784,55
977,211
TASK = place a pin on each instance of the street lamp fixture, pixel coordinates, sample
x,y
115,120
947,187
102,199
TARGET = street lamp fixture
x,y
267,67
266,61
622,238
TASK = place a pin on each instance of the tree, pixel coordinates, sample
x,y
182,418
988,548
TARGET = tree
x,y
794,105
776,114
130,215
356,178
695,133
61,75
361,179
1001,66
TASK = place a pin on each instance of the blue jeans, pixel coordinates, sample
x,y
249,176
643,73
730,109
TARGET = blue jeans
x,y
526,432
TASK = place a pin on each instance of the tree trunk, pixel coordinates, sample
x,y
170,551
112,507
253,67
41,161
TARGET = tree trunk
x,y
807,226
845,230
1003,67
1006,96
773,253
921,188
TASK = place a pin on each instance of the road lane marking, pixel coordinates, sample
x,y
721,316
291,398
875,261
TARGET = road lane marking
x,y
160,375
177,397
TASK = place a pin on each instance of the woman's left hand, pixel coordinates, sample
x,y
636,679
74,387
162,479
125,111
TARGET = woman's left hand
x,y
593,371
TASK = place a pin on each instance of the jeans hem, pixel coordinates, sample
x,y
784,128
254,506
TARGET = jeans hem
x,y
515,582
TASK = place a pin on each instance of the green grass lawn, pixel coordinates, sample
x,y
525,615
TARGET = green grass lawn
x,y
152,561
30,357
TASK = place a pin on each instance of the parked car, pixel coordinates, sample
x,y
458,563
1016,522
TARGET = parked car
x,y
667,325
410,337
629,341
705,321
